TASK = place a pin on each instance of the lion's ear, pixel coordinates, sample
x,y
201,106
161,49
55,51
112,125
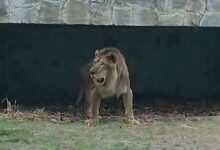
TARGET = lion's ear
x,y
96,52
112,57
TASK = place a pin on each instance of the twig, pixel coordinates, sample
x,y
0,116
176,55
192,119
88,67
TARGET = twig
x,y
8,106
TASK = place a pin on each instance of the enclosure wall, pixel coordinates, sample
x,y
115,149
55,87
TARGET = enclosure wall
x,y
40,63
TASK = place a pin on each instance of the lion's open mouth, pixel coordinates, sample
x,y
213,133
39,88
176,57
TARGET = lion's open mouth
x,y
100,80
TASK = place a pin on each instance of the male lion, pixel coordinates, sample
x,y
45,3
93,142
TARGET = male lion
x,y
105,77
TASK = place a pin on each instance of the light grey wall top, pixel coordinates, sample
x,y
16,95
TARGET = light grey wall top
x,y
112,12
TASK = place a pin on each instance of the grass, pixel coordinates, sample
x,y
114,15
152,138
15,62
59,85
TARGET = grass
x,y
198,133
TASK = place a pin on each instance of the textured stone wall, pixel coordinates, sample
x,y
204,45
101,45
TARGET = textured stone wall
x,y
112,12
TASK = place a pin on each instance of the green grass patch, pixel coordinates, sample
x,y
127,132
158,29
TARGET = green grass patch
x,y
112,135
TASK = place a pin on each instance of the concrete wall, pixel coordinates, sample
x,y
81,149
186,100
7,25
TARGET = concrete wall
x,y
40,63
112,12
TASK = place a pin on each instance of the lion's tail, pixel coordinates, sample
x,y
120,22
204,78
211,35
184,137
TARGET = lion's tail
x,y
80,96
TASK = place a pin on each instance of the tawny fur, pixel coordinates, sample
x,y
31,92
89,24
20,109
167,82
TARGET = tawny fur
x,y
108,65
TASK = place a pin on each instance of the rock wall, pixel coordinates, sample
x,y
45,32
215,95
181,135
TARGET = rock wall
x,y
112,12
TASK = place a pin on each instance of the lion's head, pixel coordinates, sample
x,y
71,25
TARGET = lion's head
x,y
102,67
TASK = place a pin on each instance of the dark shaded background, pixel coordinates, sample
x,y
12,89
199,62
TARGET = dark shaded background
x,y
39,64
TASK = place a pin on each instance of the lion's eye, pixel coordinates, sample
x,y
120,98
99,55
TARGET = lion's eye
x,y
102,64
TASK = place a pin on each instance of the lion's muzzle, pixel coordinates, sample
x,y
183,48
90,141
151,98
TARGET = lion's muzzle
x,y
96,79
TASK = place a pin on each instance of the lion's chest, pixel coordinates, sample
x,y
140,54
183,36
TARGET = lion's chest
x,y
113,88
108,91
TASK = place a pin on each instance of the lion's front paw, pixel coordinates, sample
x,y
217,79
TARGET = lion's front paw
x,y
93,120
88,122
133,122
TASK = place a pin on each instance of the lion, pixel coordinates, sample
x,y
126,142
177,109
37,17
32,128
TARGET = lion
x,y
106,76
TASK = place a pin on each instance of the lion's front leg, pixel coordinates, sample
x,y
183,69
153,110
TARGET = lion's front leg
x,y
128,104
93,109
88,109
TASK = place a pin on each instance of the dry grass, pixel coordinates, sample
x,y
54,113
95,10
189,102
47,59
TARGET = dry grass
x,y
146,115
